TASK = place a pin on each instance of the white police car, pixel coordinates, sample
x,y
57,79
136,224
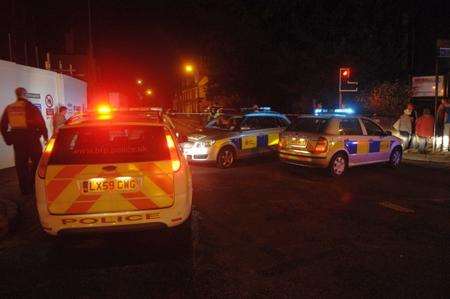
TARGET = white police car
x,y
337,139
232,137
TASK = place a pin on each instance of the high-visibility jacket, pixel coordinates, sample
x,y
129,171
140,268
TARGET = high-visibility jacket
x,y
22,120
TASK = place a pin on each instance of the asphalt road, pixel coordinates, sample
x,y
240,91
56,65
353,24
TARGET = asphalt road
x,y
259,229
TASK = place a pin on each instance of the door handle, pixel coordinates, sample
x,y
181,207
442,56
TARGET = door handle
x,y
109,168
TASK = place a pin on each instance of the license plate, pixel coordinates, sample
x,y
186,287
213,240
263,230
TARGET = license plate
x,y
297,142
120,184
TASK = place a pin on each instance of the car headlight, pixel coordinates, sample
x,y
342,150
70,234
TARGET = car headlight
x,y
205,143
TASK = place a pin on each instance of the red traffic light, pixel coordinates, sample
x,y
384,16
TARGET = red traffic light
x,y
345,73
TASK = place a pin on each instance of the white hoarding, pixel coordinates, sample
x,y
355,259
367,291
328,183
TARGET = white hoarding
x,y
424,86
46,90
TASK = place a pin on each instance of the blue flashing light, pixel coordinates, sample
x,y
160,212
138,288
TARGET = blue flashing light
x,y
344,110
334,111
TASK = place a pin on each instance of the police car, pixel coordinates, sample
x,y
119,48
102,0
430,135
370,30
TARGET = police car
x,y
231,137
337,139
111,171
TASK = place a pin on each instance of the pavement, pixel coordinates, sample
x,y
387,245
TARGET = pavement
x,y
259,230
438,157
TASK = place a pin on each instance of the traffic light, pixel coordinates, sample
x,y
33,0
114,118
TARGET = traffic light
x,y
344,81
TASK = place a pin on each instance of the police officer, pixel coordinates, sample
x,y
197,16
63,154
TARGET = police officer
x,y
22,126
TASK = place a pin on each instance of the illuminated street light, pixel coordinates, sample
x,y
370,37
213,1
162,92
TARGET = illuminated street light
x,y
148,92
189,68
139,81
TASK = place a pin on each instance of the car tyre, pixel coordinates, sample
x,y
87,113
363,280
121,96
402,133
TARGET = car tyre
x,y
226,157
395,158
338,165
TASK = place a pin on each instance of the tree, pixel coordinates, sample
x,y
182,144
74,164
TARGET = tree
x,y
387,99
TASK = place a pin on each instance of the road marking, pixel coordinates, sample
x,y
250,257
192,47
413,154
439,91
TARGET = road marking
x,y
395,207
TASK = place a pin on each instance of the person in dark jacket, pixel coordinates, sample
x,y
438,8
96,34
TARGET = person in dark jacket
x,y
22,126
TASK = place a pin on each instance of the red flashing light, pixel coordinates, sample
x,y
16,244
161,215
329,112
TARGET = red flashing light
x,y
104,109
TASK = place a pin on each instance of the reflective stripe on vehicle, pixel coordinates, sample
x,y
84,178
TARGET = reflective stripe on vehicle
x,y
365,147
65,194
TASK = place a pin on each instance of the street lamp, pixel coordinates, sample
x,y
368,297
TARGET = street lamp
x,y
189,68
148,92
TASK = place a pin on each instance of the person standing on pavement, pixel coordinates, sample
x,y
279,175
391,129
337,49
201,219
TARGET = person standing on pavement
x,y
424,129
404,126
22,126
414,116
446,139
59,119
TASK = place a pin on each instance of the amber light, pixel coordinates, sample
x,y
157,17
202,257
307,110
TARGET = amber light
x,y
42,168
189,68
176,163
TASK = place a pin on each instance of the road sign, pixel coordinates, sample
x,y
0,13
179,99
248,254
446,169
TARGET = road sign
x,y
425,86
443,48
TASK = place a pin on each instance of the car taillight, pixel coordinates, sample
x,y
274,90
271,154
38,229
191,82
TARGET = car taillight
x,y
42,168
281,142
321,146
176,163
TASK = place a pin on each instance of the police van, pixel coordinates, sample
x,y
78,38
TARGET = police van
x,y
231,137
337,139
111,170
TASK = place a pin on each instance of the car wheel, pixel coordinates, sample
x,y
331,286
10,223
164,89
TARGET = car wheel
x,y
395,158
338,165
226,157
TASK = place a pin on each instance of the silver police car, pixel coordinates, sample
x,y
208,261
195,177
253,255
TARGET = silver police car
x,y
337,140
228,138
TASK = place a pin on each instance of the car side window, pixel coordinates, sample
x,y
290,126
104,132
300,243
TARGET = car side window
x,y
372,128
268,122
350,126
252,123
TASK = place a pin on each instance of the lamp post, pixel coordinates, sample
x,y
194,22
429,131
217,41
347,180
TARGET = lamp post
x,y
148,92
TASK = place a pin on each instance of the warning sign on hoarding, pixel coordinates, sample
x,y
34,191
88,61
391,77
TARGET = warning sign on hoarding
x,y
424,86
49,101
50,111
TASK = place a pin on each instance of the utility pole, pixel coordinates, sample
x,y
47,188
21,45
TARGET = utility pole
x,y
25,50
436,95
11,58
36,53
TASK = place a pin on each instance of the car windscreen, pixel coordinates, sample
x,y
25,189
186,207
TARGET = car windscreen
x,y
112,144
309,124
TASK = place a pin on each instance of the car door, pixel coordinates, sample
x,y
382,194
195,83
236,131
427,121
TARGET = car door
x,y
251,127
269,137
378,143
355,142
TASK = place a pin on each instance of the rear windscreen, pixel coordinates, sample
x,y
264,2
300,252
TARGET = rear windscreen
x,y
309,124
114,144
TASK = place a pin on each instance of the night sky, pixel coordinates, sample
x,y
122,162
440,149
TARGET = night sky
x,y
150,39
